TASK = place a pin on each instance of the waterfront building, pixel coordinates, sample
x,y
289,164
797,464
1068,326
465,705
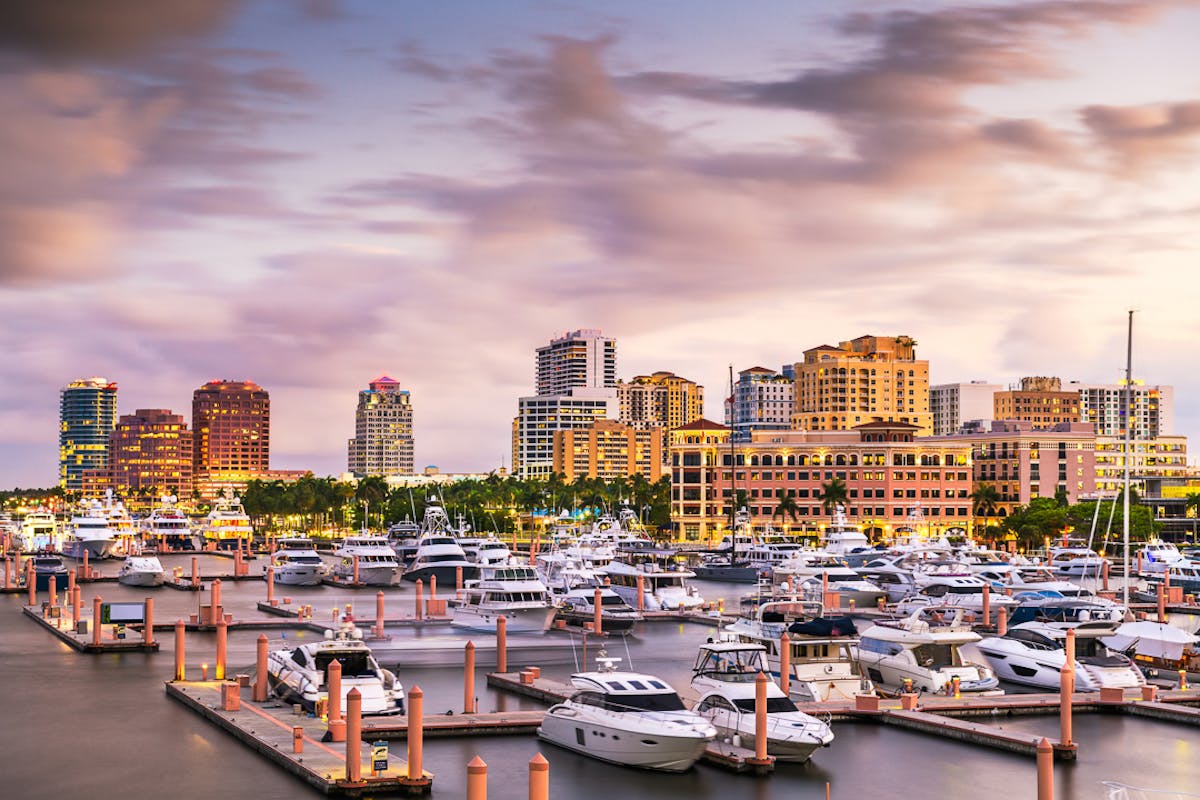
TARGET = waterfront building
x,y
763,400
954,404
868,379
659,402
150,454
383,431
87,416
608,449
1037,400
231,431
1023,461
888,472
585,358
1154,461
1153,408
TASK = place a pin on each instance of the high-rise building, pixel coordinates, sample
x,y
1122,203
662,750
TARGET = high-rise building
x,y
1153,408
1154,460
1037,400
659,402
953,404
585,358
383,431
608,449
868,379
231,431
87,415
575,380
763,400
150,452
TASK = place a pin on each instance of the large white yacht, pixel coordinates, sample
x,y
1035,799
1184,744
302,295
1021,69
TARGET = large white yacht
x,y
725,675
297,563
663,588
1034,654
512,591
438,550
88,531
1076,561
376,561
1155,556
167,527
227,523
488,550
577,606
39,531
627,718
142,570
842,538
957,590
924,650
809,572
300,674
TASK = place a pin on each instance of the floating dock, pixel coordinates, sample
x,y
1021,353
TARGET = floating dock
x,y
82,640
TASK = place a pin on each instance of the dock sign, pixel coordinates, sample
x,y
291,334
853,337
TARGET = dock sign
x,y
379,756
117,613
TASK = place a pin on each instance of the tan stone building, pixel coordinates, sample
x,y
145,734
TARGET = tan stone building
x,y
868,379
1040,401
659,402
608,449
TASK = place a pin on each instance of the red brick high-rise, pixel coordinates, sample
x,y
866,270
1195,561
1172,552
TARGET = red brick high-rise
x,y
231,430
151,451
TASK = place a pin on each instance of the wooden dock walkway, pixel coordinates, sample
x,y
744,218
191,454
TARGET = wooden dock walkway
x,y
61,627
267,729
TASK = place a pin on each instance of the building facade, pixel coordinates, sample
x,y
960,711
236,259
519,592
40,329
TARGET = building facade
x,y
585,358
1023,461
868,379
383,431
1102,404
1040,401
954,404
231,431
150,454
659,402
608,449
763,400
1158,460
539,418
887,471
87,417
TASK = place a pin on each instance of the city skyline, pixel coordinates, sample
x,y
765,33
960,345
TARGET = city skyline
x,y
311,195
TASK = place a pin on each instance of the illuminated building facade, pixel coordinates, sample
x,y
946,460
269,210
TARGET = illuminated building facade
x,y
87,416
383,431
150,454
868,379
659,402
608,449
1039,401
584,358
1153,408
953,404
763,400
231,431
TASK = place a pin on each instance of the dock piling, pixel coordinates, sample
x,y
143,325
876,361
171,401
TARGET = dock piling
x,y
502,645
539,778
785,662
1162,603
641,593
180,634
95,619
270,586
148,625
52,591
760,718
222,648
1002,621
597,617
195,572
420,604
297,739
458,579
76,602
87,571
469,678
31,582
987,604
379,614
70,584
477,779
337,725
356,570
354,736
1045,770
260,669
416,732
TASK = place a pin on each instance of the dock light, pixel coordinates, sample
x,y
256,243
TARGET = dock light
x,y
1183,684
204,672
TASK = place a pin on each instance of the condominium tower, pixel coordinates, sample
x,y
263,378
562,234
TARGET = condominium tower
x,y
953,404
87,415
582,358
150,452
1038,400
1153,408
383,431
763,400
231,427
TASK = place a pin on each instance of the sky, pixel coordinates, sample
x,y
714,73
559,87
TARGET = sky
x,y
312,194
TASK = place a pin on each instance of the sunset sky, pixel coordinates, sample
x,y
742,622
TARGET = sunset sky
x,y
312,194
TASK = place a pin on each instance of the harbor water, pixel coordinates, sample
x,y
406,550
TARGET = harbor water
x,y
101,726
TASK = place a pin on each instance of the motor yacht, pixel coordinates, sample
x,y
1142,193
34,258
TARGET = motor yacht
x,y
959,591
167,527
297,563
842,538
1034,654
1182,574
663,588
1076,561
725,676
810,572
376,561
1155,556
227,524
627,718
822,652
731,563
39,531
489,550
403,537
511,591
578,607
88,531
1157,645
142,570
924,649
1048,605
300,674
47,566
439,552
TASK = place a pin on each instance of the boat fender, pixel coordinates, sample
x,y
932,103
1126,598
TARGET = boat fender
x,y
829,669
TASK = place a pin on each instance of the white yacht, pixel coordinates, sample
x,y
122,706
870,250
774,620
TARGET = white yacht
x,y
1077,561
297,563
439,552
88,531
578,607
1155,556
124,529
300,675
842,538
627,718
808,572
489,550
376,561
141,571
822,654
39,531
403,536
663,588
511,591
227,523
924,650
1034,654
956,590
725,675
167,527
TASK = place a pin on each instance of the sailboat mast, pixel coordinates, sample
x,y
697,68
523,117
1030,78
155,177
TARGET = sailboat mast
x,y
1128,450
732,472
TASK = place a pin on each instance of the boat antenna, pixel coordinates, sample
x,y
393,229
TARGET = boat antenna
x,y
1128,450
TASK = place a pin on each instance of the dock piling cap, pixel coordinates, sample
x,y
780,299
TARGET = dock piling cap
x,y
539,763
477,766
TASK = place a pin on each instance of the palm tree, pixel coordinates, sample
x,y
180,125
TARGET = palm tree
x,y
833,494
785,504
986,500
1192,503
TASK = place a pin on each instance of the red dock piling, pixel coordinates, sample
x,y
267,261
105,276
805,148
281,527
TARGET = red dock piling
x,y
222,648
260,669
379,614
1045,770
148,625
477,779
180,634
337,725
785,662
539,778
354,736
502,644
416,732
469,678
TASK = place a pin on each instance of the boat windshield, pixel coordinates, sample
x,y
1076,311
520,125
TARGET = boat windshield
x,y
775,705
354,665
936,656
663,701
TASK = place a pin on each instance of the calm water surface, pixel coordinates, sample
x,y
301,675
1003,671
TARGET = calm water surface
x,y
101,727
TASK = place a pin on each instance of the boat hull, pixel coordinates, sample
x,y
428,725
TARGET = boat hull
x,y
621,625
726,573
521,620
371,576
95,548
147,579
446,576
618,746
299,576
